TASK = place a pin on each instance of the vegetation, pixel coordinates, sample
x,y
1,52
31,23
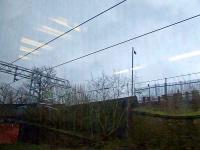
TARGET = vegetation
x,y
97,113
187,104
157,110
97,118
149,132
91,114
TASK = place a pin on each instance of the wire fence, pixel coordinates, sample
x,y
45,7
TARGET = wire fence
x,y
152,89
168,86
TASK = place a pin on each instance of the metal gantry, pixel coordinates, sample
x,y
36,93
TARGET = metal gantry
x,y
20,72
35,78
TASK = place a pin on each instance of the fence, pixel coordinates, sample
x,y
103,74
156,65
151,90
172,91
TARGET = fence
x,y
168,86
152,89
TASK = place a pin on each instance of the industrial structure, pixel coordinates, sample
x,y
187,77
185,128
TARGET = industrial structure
x,y
36,79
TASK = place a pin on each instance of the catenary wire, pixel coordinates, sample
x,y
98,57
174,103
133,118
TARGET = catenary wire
x,y
128,40
99,14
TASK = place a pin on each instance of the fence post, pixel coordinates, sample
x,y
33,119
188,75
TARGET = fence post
x,y
156,92
149,92
181,86
165,87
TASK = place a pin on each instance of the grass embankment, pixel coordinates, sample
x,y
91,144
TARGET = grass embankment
x,y
160,111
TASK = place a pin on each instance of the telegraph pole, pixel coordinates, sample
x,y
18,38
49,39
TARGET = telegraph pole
x,y
132,94
132,89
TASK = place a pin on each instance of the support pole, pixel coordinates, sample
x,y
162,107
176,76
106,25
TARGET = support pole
x,y
15,75
165,86
132,72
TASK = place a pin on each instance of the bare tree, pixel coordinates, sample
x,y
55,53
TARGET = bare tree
x,y
77,94
7,94
22,95
109,113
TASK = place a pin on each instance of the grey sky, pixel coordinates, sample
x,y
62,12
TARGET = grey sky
x,y
27,18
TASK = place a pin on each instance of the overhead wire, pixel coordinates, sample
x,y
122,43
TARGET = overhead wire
x,y
128,40
79,25
99,14
125,41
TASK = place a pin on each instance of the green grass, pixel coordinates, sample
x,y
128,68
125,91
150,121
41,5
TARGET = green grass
x,y
160,111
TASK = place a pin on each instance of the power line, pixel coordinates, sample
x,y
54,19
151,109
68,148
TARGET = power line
x,y
131,39
170,77
69,30
123,42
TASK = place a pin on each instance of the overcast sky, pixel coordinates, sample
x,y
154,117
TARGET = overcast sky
x,y
25,24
